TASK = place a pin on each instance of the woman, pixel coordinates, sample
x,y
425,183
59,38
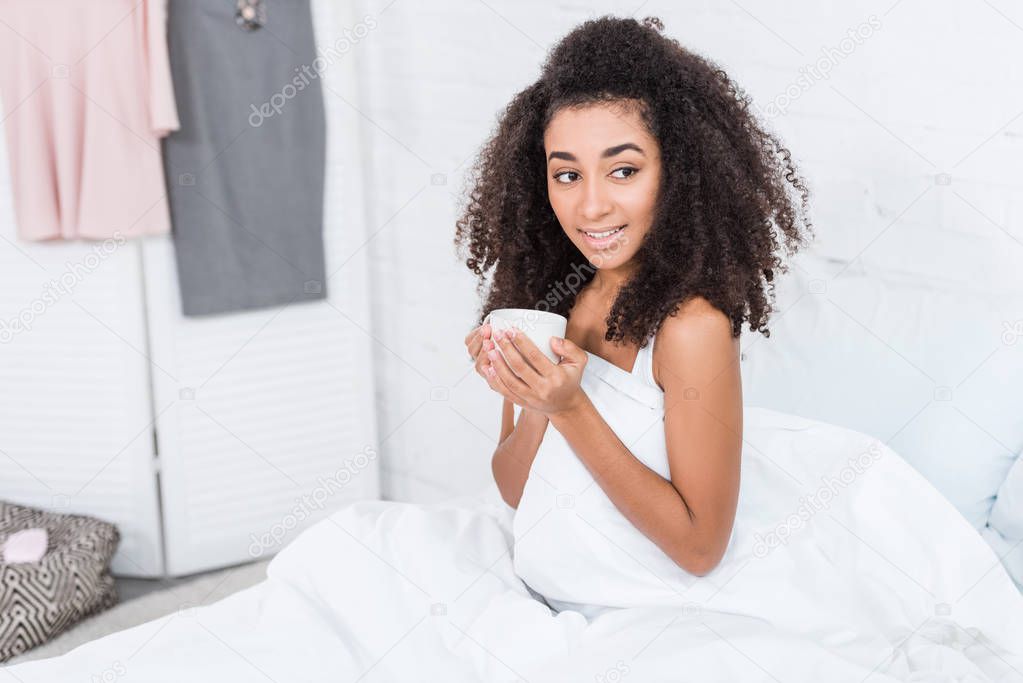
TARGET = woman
x,y
883,582
642,162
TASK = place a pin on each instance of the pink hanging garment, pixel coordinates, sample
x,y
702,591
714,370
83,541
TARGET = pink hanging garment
x,y
87,96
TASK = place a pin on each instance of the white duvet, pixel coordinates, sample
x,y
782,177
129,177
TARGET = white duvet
x,y
879,580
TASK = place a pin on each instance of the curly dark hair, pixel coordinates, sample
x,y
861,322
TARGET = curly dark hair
x,y
728,187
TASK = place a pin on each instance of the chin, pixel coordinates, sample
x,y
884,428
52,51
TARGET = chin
x,y
606,259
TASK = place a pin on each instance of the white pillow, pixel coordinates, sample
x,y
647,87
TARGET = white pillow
x,y
933,371
1007,513
1005,525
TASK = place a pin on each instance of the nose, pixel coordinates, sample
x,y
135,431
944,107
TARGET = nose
x,y
596,202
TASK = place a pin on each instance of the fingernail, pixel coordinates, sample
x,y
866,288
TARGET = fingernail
x,y
511,332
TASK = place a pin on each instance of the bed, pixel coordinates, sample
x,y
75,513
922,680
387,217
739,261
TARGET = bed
x,y
888,582
911,572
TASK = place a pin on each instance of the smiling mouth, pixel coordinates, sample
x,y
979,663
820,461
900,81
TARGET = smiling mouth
x,y
603,237
600,234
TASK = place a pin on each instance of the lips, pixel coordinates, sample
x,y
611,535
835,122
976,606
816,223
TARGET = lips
x,y
607,239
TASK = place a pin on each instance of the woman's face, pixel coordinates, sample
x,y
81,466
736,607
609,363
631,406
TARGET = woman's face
x,y
603,172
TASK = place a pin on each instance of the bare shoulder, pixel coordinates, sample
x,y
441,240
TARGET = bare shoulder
x,y
697,334
697,319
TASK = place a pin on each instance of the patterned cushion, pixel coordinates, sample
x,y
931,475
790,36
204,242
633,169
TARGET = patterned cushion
x,y
39,600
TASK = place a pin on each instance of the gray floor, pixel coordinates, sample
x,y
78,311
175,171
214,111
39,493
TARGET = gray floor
x,y
142,600
129,588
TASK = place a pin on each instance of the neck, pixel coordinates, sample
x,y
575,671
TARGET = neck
x,y
607,282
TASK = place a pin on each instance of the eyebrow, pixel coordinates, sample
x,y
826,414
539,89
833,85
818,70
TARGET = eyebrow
x,y
609,152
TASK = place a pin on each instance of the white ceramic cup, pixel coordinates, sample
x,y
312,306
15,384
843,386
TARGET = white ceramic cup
x,y
539,326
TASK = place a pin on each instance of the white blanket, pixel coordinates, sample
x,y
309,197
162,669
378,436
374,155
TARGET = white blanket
x,y
887,583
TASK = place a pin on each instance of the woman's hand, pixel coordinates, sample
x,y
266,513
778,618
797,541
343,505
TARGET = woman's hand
x,y
478,342
528,378
474,342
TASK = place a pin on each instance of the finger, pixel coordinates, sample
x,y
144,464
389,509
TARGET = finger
x,y
505,373
516,360
474,346
540,363
482,359
498,385
495,382
570,352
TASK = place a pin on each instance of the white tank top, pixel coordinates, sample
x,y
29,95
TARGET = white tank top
x,y
572,544
643,367
793,564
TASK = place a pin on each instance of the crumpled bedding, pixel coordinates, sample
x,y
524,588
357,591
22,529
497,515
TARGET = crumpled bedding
x,y
888,583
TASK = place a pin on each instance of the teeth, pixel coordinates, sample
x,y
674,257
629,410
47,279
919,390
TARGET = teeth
x,y
602,235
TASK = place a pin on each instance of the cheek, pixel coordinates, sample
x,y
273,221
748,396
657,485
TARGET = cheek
x,y
560,206
639,202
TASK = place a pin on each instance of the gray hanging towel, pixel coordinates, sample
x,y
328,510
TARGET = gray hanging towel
x,y
245,172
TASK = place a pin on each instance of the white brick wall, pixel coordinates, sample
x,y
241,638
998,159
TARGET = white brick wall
x,y
912,146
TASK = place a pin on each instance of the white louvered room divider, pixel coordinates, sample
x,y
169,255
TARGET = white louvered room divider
x,y
207,441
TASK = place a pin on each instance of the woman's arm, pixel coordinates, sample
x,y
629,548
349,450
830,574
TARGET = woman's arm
x,y
518,443
507,420
517,450
690,517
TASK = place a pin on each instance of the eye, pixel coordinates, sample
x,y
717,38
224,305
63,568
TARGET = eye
x,y
558,176
632,172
